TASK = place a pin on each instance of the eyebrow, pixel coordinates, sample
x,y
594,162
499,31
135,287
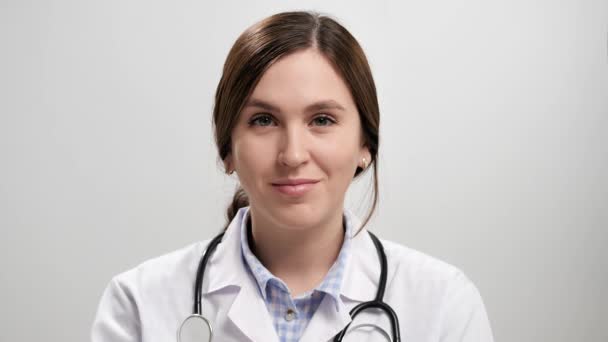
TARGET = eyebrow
x,y
316,106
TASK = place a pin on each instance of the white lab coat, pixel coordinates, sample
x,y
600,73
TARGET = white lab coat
x,y
435,302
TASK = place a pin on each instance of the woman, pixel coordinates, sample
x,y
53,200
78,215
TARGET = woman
x,y
296,117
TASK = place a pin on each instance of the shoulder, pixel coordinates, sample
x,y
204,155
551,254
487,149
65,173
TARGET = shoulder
x,y
144,292
421,266
456,301
172,265
426,277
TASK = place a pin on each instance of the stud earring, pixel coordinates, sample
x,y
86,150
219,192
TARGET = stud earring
x,y
364,163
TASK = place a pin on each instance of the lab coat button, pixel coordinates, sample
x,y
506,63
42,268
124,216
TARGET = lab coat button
x,y
290,315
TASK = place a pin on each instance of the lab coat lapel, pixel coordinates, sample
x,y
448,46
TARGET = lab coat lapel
x,y
226,266
247,311
362,270
361,282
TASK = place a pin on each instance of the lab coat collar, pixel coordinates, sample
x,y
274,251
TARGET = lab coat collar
x,y
248,311
226,257
362,271
359,284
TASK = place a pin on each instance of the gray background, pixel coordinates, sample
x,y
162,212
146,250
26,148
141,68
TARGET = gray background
x,y
494,148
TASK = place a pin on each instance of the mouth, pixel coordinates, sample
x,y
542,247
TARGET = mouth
x,y
294,187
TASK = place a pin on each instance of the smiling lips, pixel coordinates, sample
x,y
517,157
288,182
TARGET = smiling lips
x,y
294,187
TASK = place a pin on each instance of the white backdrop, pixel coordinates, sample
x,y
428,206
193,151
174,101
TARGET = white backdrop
x,y
494,148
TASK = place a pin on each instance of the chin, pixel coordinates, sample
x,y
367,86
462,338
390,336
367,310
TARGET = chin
x,y
298,216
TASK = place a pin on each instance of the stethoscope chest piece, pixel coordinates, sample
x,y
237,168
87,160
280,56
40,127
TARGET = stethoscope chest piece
x,y
195,328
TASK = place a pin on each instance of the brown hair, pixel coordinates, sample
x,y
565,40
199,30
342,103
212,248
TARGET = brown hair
x,y
265,42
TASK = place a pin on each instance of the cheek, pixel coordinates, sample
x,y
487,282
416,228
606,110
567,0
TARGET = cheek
x,y
251,158
339,161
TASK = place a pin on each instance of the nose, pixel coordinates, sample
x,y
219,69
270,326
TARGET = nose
x,y
293,150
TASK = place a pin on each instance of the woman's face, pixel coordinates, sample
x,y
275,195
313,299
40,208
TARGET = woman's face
x,y
299,125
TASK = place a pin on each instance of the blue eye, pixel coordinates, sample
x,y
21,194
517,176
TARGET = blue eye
x,y
267,120
261,120
324,120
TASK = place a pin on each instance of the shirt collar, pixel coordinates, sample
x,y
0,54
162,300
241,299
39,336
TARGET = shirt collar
x,y
331,284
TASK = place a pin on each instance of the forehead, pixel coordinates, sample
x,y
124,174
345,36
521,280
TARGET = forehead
x,y
295,81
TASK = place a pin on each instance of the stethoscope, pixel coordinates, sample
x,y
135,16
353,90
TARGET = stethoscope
x,y
197,328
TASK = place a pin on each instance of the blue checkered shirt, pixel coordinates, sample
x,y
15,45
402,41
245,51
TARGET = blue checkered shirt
x,y
291,315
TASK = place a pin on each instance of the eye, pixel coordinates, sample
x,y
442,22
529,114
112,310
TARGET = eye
x,y
324,120
261,120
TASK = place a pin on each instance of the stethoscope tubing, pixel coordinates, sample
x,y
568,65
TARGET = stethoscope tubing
x,y
378,302
373,305
198,284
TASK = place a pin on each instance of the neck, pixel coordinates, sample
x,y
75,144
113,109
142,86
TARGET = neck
x,y
301,258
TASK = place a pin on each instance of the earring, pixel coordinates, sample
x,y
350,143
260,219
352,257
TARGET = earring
x,y
364,163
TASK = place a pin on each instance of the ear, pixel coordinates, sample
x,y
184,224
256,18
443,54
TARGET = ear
x,y
365,153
